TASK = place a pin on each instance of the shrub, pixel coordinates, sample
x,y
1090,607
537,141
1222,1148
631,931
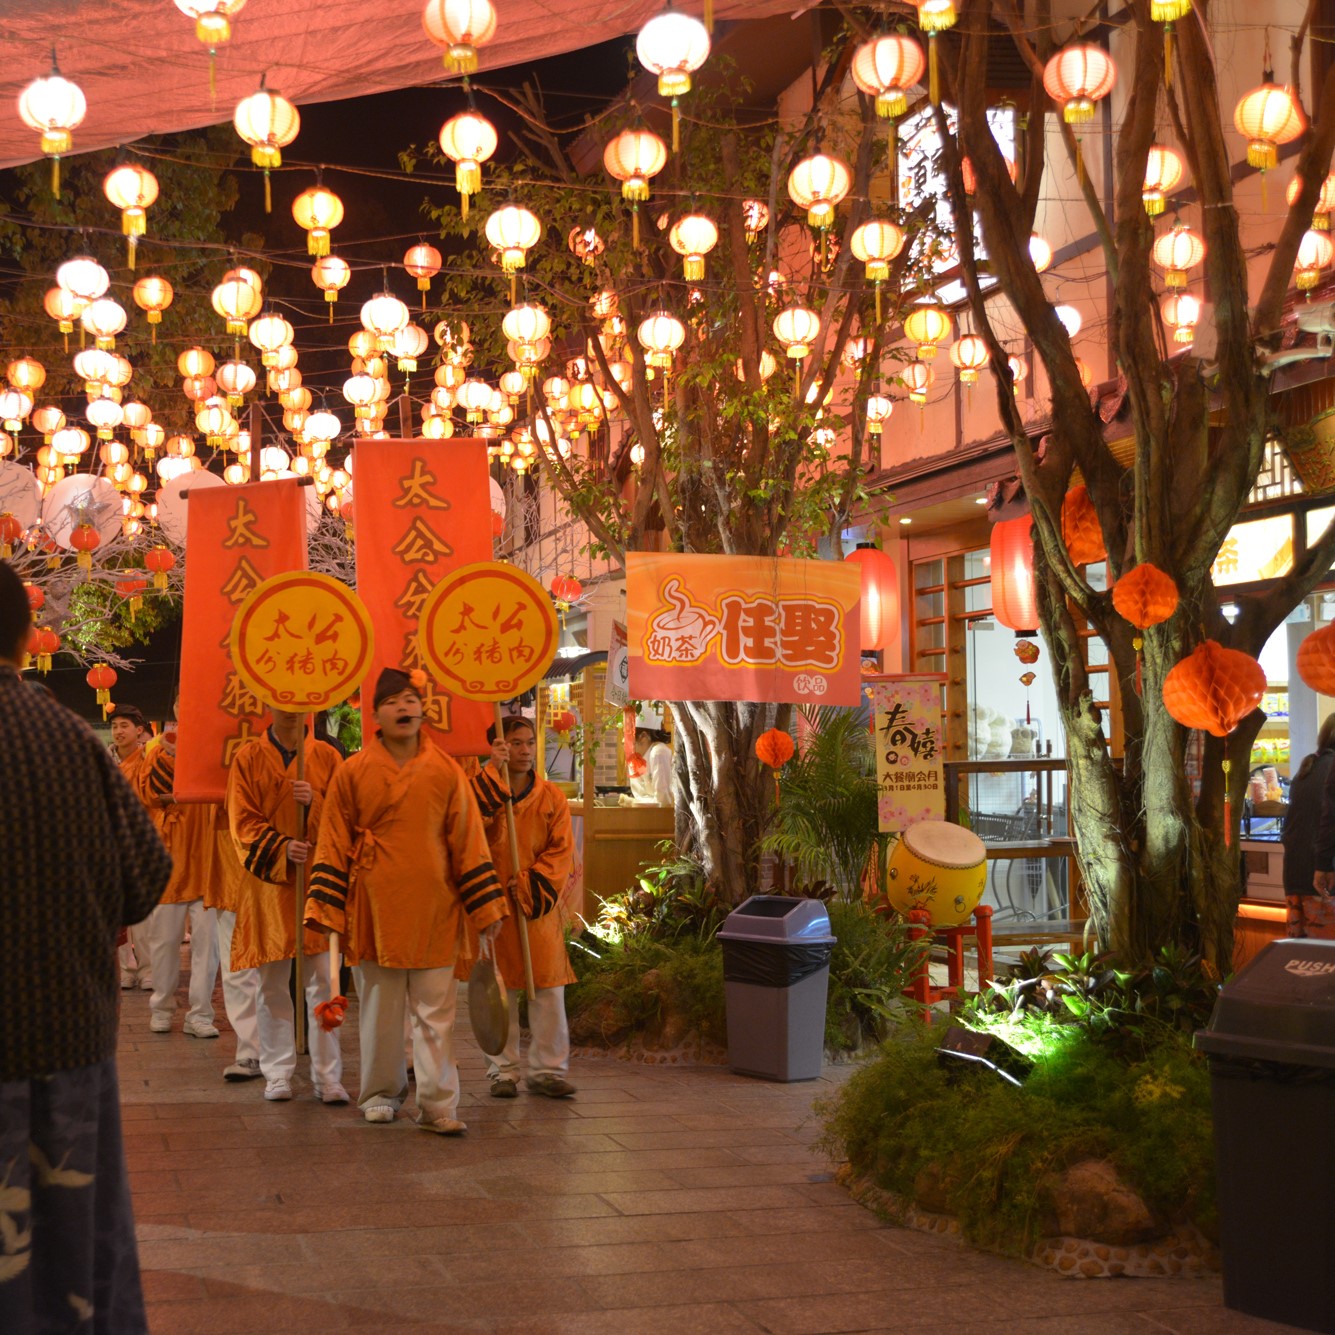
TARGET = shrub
x,y
870,966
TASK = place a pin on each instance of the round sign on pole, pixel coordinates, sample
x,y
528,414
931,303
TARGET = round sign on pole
x,y
302,642
488,631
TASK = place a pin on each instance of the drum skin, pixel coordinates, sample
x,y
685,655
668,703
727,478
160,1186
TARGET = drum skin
x,y
940,868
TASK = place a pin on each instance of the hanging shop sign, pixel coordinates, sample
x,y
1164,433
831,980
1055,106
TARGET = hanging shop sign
x,y
906,728
616,688
742,628
238,537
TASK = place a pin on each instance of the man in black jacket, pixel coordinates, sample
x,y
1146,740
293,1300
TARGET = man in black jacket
x,y
79,860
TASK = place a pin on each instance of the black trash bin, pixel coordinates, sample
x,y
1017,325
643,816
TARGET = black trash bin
x,y
776,974
1271,1046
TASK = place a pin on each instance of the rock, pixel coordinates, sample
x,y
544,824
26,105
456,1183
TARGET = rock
x,y
600,1024
651,982
932,1188
1090,1201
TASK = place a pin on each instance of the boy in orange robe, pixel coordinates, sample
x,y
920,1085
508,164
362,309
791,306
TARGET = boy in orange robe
x,y
401,861
129,732
188,830
263,794
546,855
240,987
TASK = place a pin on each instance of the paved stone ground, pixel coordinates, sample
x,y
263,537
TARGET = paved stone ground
x,y
673,1200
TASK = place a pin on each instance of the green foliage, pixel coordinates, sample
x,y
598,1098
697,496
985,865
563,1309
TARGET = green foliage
x,y
670,900
825,822
870,966
992,1149
345,722
99,620
1129,1010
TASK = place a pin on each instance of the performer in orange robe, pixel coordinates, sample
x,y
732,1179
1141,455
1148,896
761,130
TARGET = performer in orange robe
x,y
188,830
240,987
546,856
129,732
401,860
263,793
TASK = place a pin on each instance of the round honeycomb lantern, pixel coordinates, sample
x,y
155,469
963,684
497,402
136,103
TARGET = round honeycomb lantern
x,y
1316,660
1080,529
1213,689
1145,596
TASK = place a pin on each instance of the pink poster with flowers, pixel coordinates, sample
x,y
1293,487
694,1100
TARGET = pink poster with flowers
x,y
906,716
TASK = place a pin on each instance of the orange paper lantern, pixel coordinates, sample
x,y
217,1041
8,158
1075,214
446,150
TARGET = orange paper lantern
x,y
1080,528
1213,689
1014,588
1145,596
1316,660
879,600
774,748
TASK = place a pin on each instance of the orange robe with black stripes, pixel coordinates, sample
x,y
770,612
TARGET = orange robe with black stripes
x,y
546,856
402,858
188,829
263,816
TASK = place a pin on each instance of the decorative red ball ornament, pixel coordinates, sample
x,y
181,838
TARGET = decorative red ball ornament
x,y
774,748
1145,596
85,540
160,560
1080,529
567,589
1316,660
102,677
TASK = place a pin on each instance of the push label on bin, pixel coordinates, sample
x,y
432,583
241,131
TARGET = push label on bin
x,y
1309,968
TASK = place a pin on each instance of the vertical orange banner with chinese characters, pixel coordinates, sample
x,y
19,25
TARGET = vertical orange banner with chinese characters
x,y
742,628
236,538
423,509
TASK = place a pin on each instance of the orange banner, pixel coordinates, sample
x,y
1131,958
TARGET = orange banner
x,y
422,510
236,538
742,628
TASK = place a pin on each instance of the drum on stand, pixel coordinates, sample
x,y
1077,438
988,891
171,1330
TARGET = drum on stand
x,y
940,868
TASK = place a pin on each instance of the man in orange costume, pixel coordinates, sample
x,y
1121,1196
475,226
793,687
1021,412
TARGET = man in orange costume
x,y
188,830
240,987
263,796
402,859
129,732
546,855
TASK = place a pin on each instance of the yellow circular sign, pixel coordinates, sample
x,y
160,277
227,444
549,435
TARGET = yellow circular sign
x,y
301,641
488,631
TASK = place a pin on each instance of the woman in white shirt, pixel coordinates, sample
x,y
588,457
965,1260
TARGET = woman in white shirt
x,y
654,785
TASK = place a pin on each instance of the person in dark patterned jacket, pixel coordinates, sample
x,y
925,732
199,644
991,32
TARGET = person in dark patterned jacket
x,y
79,860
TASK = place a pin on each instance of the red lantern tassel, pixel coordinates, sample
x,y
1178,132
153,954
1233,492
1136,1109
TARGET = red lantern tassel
x,y
1138,644
1228,808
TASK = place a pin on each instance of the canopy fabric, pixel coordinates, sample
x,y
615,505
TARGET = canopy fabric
x,y
143,70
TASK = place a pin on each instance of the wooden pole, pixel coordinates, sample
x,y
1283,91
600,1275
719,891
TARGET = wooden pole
x,y
256,442
299,998
520,919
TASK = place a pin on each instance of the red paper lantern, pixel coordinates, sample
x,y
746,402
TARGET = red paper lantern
x,y
42,644
11,531
36,597
130,587
101,677
1080,529
1014,588
85,540
562,722
879,601
160,560
1316,660
1145,596
567,589
774,748
1213,689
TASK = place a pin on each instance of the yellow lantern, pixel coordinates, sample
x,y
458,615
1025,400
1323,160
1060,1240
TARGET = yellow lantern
x,y
54,107
459,27
153,295
1164,171
970,356
26,374
331,275
383,316
1181,311
132,189
474,398
237,302
818,184
513,231
408,345
269,333
1177,251
693,237
1315,252
877,411
104,319
673,46
885,68
236,380
212,19
917,378
468,140
84,277
660,334
1040,253
1268,116
797,328
48,420
423,262
317,211
268,122
1325,200
928,326
195,362
1077,77
63,307
634,158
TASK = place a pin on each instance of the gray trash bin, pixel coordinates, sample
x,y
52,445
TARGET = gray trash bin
x,y
776,973
1271,1046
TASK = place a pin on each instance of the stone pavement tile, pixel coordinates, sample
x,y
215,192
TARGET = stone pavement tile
x,y
419,1239
1211,1320
506,1294
805,1218
555,1183
728,1137
169,1285
244,1313
802,1171
681,1199
558,1233
333,1271
690,1319
955,1309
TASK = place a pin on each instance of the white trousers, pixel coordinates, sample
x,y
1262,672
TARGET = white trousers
x,y
241,990
277,1032
549,1037
427,996
166,932
136,954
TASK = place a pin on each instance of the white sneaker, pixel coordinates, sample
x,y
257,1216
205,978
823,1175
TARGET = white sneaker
x,y
333,1093
247,1068
201,1029
379,1112
277,1091
145,982
127,980
160,1022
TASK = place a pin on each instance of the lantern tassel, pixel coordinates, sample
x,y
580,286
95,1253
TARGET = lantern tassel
x,y
709,17
934,74
213,77
635,226
331,312
463,205
129,246
1265,201
1228,808
878,303
1079,163
268,195
1168,56
1138,644
55,178
676,126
